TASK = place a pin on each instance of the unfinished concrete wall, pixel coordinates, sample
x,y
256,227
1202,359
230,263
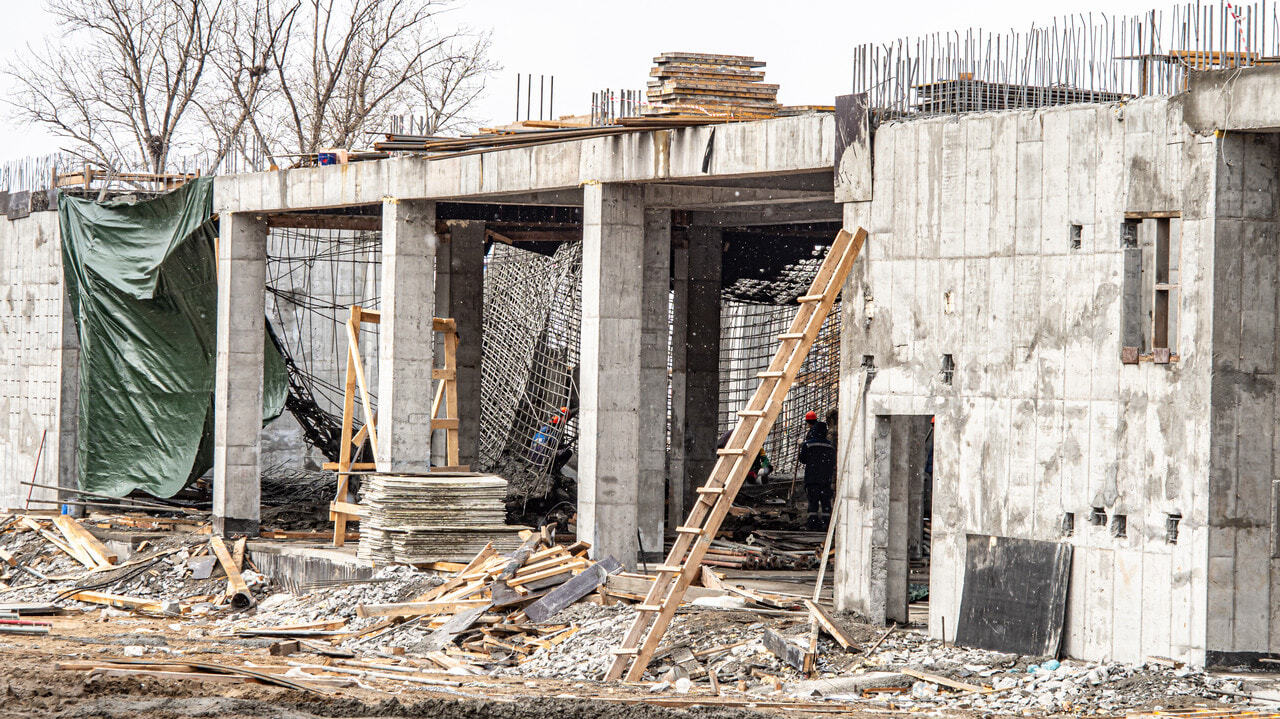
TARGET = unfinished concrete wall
x,y
1244,551
996,239
40,357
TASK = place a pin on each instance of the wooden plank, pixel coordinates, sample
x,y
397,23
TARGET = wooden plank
x,y
828,623
943,681
419,609
347,508
73,530
565,568
237,590
344,444
636,585
788,652
119,601
572,590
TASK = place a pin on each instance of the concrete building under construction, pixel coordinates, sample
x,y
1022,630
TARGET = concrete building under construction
x,y
1063,327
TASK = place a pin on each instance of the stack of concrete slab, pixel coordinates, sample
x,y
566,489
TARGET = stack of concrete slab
x,y
690,83
427,518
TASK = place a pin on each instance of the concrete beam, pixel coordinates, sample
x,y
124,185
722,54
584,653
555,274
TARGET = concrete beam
x,y
237,396
770,215
780,146
689,197
609,464
1233,99
406,339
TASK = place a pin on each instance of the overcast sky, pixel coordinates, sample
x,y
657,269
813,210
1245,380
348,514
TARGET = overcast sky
x,y
589,45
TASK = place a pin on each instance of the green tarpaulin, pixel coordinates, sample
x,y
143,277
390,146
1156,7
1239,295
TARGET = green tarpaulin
x,y
143,287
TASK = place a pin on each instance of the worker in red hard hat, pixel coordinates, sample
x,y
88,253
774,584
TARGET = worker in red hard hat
x,y
544,442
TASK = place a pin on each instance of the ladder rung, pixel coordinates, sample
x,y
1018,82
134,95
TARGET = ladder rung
x,y
710,490
730,452
648,607
624,650
668,568
811,298
689,530
770,373
751,413
791,336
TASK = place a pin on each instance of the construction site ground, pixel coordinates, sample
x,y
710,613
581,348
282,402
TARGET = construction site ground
x,y
123,646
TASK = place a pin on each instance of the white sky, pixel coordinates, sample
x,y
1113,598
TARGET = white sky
x,y
592,45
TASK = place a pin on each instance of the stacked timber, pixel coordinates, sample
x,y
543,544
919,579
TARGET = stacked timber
x,y
690,83
427,518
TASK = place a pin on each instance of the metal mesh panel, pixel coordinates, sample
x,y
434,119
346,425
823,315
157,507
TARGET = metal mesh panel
x,y
533,311
313,278
748,340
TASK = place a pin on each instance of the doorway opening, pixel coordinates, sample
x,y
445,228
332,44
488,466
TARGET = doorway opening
x,y
904,470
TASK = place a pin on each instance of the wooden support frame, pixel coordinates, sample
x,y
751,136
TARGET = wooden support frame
x,y
341,510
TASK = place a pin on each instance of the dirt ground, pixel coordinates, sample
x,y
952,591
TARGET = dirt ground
x,y
33,686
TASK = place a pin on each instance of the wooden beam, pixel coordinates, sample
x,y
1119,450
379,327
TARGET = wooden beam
x,y
237,590
419,609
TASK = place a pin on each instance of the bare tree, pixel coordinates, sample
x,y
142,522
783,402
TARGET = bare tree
x,y
121,83
242,58
345,63
131,84
452,84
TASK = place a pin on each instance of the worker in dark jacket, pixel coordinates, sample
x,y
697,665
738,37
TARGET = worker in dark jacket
x,y
818,456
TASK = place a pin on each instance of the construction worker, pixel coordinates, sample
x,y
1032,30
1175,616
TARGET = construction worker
x,y
818,456
543,442
810,419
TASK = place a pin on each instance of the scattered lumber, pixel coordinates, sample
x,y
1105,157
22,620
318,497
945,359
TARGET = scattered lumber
x,y
572,590
80,539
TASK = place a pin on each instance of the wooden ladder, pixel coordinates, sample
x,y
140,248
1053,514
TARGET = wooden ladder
x,y
716,496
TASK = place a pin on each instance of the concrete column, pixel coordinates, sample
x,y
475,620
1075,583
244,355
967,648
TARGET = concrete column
x,y
460,295
695,367
405,337
69,407
655,332
612,297
242,279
